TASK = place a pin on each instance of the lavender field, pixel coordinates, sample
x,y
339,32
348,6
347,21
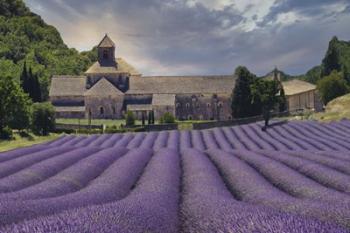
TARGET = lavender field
x,y
295,177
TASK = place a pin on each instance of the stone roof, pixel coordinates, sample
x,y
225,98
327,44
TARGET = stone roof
x,y
139,107
106,42
103,88
163,99
70,109
182,85
121,67
296,86
67,86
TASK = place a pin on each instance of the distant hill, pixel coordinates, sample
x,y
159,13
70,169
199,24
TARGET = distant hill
x,y
284,76
24,36
337,58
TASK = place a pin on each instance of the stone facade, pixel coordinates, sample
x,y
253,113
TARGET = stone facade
x,y
300,101
111,86
203,107
104,107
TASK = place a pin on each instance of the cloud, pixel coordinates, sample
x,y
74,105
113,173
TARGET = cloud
x,y
183,37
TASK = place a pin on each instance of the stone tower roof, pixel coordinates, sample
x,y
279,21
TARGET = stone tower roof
x,y
106,42
103,88
121,67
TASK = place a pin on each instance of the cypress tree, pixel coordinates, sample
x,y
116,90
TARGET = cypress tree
x,y
24,78
282,101
36,89
346,74
31,84
241,97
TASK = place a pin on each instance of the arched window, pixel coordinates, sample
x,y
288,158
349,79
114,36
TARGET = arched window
x,y
208,105
229,117
105,54
187,105
178,105
102,111
190,118
113,110
220,104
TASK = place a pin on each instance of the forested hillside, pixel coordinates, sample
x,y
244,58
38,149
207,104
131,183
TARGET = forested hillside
x,y
24,36
337,58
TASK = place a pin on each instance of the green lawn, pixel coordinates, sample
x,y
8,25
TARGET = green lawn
x,y
19,141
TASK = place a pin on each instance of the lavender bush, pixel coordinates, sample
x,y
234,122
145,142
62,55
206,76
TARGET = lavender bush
x,y
293,177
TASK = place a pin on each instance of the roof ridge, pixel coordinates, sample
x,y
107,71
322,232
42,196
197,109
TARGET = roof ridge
x,y
106,42
103,87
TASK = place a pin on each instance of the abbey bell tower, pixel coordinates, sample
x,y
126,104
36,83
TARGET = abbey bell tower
x,y
106,52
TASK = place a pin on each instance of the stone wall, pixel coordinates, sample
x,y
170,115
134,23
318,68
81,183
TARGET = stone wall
x,y
160,110
104,108
137,99
67,100
121,81
203,107
304,101
74,115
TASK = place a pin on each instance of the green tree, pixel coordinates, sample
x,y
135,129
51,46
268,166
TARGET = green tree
x,y
266,93
242,105
332,86
149,118
14,105
153,118
282,101
24,77
167,118
24,36
332,59
43,118
36,89
143,118
129,119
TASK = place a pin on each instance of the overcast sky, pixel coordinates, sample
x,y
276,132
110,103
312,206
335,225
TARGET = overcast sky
x,y
185,37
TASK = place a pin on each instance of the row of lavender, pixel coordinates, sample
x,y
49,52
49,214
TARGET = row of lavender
x,y
138,190
290,136
293,178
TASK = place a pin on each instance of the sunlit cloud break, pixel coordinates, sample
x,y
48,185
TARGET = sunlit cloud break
x,y
184,37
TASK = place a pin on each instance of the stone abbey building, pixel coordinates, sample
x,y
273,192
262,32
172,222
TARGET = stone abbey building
x,y
111,86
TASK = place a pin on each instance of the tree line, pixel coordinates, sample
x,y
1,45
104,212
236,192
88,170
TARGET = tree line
x,y
335,74
20,111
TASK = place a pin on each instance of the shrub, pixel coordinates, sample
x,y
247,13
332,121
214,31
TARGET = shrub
x,y
332,86
15,105
6,133
130,119
167,118
43,118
